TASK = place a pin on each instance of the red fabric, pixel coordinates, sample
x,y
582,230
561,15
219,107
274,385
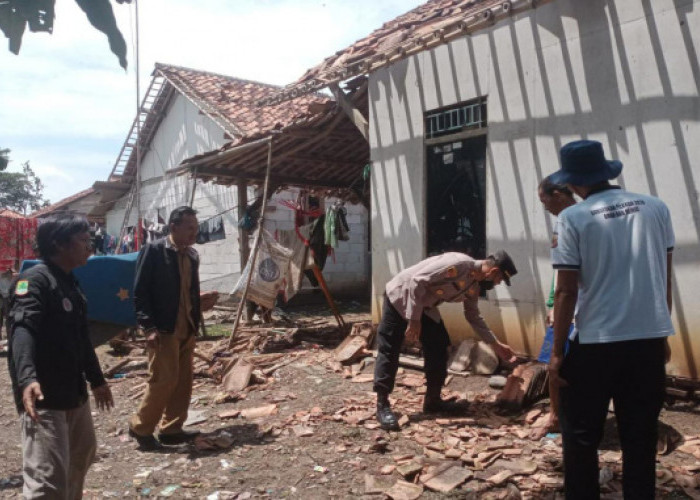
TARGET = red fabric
x,y
16,240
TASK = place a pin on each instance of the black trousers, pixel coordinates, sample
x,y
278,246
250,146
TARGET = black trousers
x,y
390,336
632,374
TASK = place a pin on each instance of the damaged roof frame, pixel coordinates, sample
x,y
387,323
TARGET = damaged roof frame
x,y
434,23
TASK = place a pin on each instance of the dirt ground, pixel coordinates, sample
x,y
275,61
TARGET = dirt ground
x,y
322,440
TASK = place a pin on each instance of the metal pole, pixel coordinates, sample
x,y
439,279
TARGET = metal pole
x,y
256,245
194,186
138,133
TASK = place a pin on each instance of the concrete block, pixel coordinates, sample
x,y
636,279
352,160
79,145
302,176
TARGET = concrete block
x,y
285,225
349,258
357,228
354,267
343,247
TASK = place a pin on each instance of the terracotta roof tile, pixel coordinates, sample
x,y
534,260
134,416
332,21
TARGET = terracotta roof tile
x,y
237,100
10,214
59,204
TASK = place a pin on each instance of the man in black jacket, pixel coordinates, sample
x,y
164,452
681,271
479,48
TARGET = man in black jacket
x,y
166,296
50,359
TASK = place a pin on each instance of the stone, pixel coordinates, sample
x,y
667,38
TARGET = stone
x,y
460,360
497,382
483,359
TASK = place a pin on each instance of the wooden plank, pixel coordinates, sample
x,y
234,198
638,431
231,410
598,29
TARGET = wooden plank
x,y
350,110
238,377
350,349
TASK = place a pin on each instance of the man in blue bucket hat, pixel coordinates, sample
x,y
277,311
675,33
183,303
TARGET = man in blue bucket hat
x,y
613,254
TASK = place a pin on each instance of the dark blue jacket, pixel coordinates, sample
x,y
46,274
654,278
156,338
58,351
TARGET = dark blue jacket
x,y
157,287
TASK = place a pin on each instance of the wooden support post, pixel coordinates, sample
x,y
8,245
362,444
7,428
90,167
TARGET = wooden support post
x,y
244,244
243,233
256,244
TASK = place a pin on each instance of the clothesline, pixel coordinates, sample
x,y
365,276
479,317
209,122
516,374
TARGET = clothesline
x,y
229,210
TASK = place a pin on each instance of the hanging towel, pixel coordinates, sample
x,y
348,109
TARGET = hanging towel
x,y
330,235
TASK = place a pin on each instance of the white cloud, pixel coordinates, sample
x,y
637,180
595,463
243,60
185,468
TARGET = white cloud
x,y
66,105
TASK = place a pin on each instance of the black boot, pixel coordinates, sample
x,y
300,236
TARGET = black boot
x,y
433,403
386,418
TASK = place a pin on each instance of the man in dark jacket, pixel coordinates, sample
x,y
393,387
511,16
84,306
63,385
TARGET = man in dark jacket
x,y
50,359
166,295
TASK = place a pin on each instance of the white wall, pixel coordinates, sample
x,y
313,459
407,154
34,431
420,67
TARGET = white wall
x,y
625,73
185,132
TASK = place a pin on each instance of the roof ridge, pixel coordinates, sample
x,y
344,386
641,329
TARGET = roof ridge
x,y
163,66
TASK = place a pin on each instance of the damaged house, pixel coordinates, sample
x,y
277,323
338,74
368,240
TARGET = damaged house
x,y
192,123
469,103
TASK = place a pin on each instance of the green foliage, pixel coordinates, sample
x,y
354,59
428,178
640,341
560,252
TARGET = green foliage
x,y
22,191
39,15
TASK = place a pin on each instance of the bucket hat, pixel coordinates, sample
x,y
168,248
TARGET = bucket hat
x,y
583,164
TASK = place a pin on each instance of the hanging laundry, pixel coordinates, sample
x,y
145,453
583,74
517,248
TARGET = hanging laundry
x,y
216,228
342,228
203,233
211,230
330,236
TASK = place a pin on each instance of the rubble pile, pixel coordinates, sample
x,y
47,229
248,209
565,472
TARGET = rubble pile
x,y
287,412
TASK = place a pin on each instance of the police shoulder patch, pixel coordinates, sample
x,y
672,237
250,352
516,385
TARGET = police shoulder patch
x,y
555,240
22,287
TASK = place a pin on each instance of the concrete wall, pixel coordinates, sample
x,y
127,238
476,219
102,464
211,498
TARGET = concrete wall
x,y
185,132
625,73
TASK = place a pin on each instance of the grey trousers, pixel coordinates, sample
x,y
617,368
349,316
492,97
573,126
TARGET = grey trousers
x,y
57,452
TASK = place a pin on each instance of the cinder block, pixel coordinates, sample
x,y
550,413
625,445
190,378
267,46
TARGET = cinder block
x,y
354,267
343,247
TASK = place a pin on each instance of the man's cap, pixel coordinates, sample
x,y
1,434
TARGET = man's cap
x,y
583,164
505,264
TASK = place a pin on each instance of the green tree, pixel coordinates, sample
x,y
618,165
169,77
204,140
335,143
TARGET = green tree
x,y
38,15
22,191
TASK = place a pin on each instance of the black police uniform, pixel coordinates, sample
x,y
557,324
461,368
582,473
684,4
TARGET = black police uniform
x,y
49,341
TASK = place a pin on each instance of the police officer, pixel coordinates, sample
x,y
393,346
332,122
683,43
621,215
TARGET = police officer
x,y
50,359
410,311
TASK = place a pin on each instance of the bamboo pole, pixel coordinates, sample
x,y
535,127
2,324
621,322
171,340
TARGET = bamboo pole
x,y
256,245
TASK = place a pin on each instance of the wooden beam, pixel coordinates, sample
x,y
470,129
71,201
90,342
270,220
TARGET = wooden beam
x,y
275,179
325,160
349,108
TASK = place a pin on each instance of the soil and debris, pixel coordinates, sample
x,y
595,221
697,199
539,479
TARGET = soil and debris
x,y
288,412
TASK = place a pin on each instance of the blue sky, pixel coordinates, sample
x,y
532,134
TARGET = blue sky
x,y
66,105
